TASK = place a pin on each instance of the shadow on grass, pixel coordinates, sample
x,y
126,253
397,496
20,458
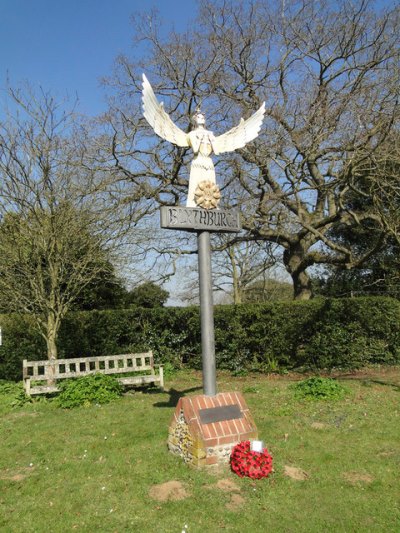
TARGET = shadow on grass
x,y
174,396
367,379
369,382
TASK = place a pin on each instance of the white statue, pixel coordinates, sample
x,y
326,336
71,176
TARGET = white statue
x,y
202,142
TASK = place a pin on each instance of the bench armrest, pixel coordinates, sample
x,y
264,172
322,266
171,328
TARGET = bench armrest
x,y
161,374
27,385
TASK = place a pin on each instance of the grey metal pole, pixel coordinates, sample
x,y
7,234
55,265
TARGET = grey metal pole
x,y
206,314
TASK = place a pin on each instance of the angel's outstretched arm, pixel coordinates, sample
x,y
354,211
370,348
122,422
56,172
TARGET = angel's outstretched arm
x,y
159,119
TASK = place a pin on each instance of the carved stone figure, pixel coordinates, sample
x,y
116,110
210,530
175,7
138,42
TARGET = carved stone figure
x,y
202,142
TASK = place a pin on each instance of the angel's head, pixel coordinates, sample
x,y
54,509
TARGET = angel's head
x,y
198,118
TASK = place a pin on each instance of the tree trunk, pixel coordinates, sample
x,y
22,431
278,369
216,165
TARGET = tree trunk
x,y
237,291
301,286
51,346
293,259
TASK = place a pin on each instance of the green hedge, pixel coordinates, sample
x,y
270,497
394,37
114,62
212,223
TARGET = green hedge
x,y
321,333
19,341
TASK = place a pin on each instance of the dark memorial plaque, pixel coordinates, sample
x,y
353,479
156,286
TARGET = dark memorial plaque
x,y
218,414
197,219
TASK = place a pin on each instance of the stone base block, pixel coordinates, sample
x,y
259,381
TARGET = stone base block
x,y
204,429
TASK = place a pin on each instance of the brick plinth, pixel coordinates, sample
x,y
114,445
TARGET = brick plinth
x,y
206,444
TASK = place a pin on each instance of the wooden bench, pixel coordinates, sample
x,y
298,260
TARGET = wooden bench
x,y
132,363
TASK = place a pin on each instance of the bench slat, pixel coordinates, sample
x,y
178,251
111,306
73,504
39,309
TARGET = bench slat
x,y
78,374
94,358
138,380
43,389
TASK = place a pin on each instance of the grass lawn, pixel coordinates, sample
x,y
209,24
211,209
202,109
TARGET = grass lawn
x,y
91,469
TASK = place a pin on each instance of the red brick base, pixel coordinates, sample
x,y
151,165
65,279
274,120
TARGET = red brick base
x,y
203,444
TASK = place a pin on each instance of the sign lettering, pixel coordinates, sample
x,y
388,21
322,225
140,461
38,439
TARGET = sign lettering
x,y
197,219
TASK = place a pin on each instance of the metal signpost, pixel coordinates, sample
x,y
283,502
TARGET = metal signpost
x,y
206,314
201,213
203,222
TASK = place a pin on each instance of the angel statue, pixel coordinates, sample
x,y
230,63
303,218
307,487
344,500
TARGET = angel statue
x,y
203,190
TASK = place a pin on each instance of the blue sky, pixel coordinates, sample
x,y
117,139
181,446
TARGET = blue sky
x,y
66,46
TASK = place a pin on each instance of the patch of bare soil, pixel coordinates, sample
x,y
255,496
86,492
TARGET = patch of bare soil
x,y
22,414
235,503
318,425
15,475
169,491
227,485
388,453
295,473
357,477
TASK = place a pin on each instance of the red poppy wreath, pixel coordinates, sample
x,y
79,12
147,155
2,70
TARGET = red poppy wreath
x,y
245,462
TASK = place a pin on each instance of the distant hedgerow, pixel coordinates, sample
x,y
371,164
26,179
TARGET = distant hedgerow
x,y
323,333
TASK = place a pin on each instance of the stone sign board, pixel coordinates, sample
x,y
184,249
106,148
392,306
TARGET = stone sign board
x,y
197,219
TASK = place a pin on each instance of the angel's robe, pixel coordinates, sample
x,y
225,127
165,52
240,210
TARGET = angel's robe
x,y
202,143
200,140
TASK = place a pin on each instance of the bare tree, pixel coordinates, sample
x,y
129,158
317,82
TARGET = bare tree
x,y
53,240
329,75
377,177
332,81
237,265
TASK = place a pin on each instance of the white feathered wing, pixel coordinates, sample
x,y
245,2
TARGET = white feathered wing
x,y
159,119
240,135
